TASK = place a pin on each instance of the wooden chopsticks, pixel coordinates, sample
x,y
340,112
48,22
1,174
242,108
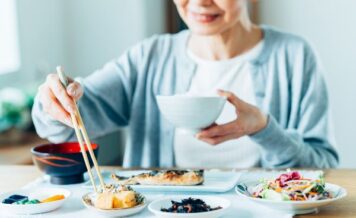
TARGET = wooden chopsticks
x,y
81,133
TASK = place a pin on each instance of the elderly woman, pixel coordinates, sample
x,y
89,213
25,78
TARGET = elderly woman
x,y
278,111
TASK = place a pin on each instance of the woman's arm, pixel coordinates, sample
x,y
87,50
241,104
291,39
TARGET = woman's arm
x,y
105,104
311,143
308,144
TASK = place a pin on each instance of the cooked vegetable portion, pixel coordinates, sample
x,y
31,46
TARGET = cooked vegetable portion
x,y
189,205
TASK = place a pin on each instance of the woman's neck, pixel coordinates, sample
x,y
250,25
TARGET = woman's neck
x,y
226,45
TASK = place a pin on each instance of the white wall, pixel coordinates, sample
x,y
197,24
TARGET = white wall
x,y
9,48
80,34
97,31
40,38
330,26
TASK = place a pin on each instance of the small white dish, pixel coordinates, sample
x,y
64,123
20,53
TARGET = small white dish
x,y
40,194
191,113
156,206
117,212
296,207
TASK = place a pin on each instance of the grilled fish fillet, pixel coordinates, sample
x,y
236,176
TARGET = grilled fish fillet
x,y
163,177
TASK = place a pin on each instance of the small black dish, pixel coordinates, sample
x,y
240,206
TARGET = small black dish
x,y
63,162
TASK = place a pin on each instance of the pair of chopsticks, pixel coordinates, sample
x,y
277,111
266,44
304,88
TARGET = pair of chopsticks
x,y
81,133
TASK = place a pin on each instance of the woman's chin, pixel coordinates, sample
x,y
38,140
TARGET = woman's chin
x,y
205,30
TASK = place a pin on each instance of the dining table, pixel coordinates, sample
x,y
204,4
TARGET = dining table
x,y
13,177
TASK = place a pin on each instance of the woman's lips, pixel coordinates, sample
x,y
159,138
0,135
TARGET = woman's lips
x,y
204,18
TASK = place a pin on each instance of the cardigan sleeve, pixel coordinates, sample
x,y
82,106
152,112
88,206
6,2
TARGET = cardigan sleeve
x,y
310,143
104,106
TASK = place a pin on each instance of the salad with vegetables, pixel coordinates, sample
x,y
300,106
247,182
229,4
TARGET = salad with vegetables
x,y
292,186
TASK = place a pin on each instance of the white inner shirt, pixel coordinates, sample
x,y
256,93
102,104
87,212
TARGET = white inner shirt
x,y
231,75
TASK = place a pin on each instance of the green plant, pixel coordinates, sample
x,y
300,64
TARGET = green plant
x,y
15,106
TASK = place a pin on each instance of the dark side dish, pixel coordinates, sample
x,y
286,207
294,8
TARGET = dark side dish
x,y
189,205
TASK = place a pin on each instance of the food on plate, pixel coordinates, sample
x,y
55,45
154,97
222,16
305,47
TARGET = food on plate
x,y
14,198
53,198
33,201
189,205
21,200
292,186
122,199
116,197
163,177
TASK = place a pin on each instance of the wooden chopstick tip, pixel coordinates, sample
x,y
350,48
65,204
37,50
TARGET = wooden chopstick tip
x,y
59,68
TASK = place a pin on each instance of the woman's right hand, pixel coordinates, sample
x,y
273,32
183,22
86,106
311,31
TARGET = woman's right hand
x,y
58,101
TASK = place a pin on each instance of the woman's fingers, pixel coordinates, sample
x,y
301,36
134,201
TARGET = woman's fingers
x,y
231,97
219,133
250,120
60,92
58,101
51,106
220,139
75,90
218,130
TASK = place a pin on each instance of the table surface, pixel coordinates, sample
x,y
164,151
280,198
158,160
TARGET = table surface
x,y
13,177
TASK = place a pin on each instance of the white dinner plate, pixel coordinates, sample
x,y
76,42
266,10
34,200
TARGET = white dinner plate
x,y
214,181
296,207
155,207
40,194
117,212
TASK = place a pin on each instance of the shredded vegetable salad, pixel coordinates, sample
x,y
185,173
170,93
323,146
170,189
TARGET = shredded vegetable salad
x,y
292,186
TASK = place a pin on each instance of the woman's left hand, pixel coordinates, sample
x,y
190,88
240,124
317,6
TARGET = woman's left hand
x,y
249,120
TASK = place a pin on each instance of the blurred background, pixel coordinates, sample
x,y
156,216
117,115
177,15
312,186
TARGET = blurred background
x,y
38,35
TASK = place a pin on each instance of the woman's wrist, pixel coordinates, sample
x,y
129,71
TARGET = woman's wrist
x,y
262,120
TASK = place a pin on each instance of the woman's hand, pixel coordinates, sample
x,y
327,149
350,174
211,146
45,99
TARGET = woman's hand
x,y
58,101
249,120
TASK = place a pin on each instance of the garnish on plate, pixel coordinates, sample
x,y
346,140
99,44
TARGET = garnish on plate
x,y
189,205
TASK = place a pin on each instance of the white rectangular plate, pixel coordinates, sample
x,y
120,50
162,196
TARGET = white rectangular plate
x,y
214,181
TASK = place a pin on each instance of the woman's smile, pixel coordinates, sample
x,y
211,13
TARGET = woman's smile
x,y
213,17
203,17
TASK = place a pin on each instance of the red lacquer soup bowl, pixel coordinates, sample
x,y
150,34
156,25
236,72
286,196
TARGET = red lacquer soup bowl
x,y
63,162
